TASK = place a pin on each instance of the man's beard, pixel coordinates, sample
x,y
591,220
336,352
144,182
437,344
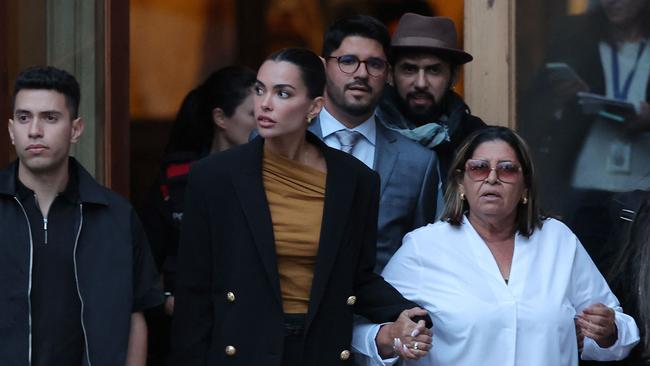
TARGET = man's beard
x,y
424,114
337,97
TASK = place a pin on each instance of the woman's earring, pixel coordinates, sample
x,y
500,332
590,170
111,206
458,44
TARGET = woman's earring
x,y
524,200
309,119
462,196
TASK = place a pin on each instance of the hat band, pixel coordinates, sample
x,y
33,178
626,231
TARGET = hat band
x,y
421,42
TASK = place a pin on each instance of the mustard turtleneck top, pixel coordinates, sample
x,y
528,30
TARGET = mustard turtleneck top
x,y
295,194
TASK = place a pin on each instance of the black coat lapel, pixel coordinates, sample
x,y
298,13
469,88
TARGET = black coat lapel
x,y
250,191
339,195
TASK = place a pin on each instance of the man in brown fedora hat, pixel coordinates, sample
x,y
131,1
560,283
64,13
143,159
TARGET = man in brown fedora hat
x,y
421,103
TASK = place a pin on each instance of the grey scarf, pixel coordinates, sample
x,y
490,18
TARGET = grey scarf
x,y
429,135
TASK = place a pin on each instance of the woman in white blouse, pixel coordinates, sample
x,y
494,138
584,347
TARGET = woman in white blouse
x,y
503,284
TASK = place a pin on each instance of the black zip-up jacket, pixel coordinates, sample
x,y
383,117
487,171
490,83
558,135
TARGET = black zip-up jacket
x,y
114,270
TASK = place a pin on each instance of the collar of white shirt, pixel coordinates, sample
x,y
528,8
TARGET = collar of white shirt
x,y
329,125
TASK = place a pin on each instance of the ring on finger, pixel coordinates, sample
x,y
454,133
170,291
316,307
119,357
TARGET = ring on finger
x,y
415,346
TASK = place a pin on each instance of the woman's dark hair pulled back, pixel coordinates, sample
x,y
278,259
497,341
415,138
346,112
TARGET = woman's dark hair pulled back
x,y
226,88
312,71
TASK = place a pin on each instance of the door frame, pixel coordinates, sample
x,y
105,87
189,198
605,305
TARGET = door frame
x,y
5,113
115,140
491,22
113,148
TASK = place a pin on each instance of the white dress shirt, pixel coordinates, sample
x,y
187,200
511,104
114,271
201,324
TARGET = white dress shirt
x,y
364,149
478,319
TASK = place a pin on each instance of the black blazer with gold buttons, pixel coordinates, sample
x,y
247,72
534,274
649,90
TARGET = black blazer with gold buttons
x,y
228,302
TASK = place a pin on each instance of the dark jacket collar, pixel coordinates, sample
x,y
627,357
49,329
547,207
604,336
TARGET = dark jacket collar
x,y
89,190
70,192
8,180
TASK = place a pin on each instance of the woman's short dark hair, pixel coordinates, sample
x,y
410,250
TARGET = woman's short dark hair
x,y
357,25
529,215
312,71
226,88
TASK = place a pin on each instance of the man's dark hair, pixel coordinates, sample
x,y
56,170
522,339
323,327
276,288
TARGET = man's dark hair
x,y
358,25
312,71
50,78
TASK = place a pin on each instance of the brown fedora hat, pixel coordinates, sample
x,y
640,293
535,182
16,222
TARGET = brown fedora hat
x,y
437,34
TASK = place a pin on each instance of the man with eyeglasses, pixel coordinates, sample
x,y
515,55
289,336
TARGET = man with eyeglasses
x,y
421,103
356,52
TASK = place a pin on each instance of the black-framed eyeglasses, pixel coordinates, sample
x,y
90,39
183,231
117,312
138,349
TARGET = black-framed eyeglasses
x,y
349,64
478,170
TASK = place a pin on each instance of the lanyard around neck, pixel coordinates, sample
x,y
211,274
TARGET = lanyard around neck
x,y
618,93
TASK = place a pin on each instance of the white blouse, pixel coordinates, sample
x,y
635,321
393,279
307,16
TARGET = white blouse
x,y
478,319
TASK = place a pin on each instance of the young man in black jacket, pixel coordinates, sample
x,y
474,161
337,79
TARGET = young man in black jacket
x,y
75,265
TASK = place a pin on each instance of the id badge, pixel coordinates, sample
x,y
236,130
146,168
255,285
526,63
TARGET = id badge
x,y
619,157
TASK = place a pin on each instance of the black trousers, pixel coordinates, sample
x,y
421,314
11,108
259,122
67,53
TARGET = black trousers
x,y
294,339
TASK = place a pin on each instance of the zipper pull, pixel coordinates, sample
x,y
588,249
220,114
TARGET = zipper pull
x,y
45,228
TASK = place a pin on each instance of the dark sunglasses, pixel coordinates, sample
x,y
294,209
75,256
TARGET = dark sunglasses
x,y
478,170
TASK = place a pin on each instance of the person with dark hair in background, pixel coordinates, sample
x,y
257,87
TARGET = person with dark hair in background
x,y
629,276
421,103
278,241
356,51
503,284
75,266
217,115
213,117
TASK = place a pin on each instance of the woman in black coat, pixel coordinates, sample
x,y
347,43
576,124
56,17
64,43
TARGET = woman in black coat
x,y
234,304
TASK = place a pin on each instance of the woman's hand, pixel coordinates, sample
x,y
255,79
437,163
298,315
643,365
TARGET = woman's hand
x,y
597,322
404,337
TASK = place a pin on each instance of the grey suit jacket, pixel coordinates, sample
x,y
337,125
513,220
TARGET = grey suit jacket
x,y
409,188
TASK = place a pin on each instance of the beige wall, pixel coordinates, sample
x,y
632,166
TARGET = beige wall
x,y
60,33
174,45
490,78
